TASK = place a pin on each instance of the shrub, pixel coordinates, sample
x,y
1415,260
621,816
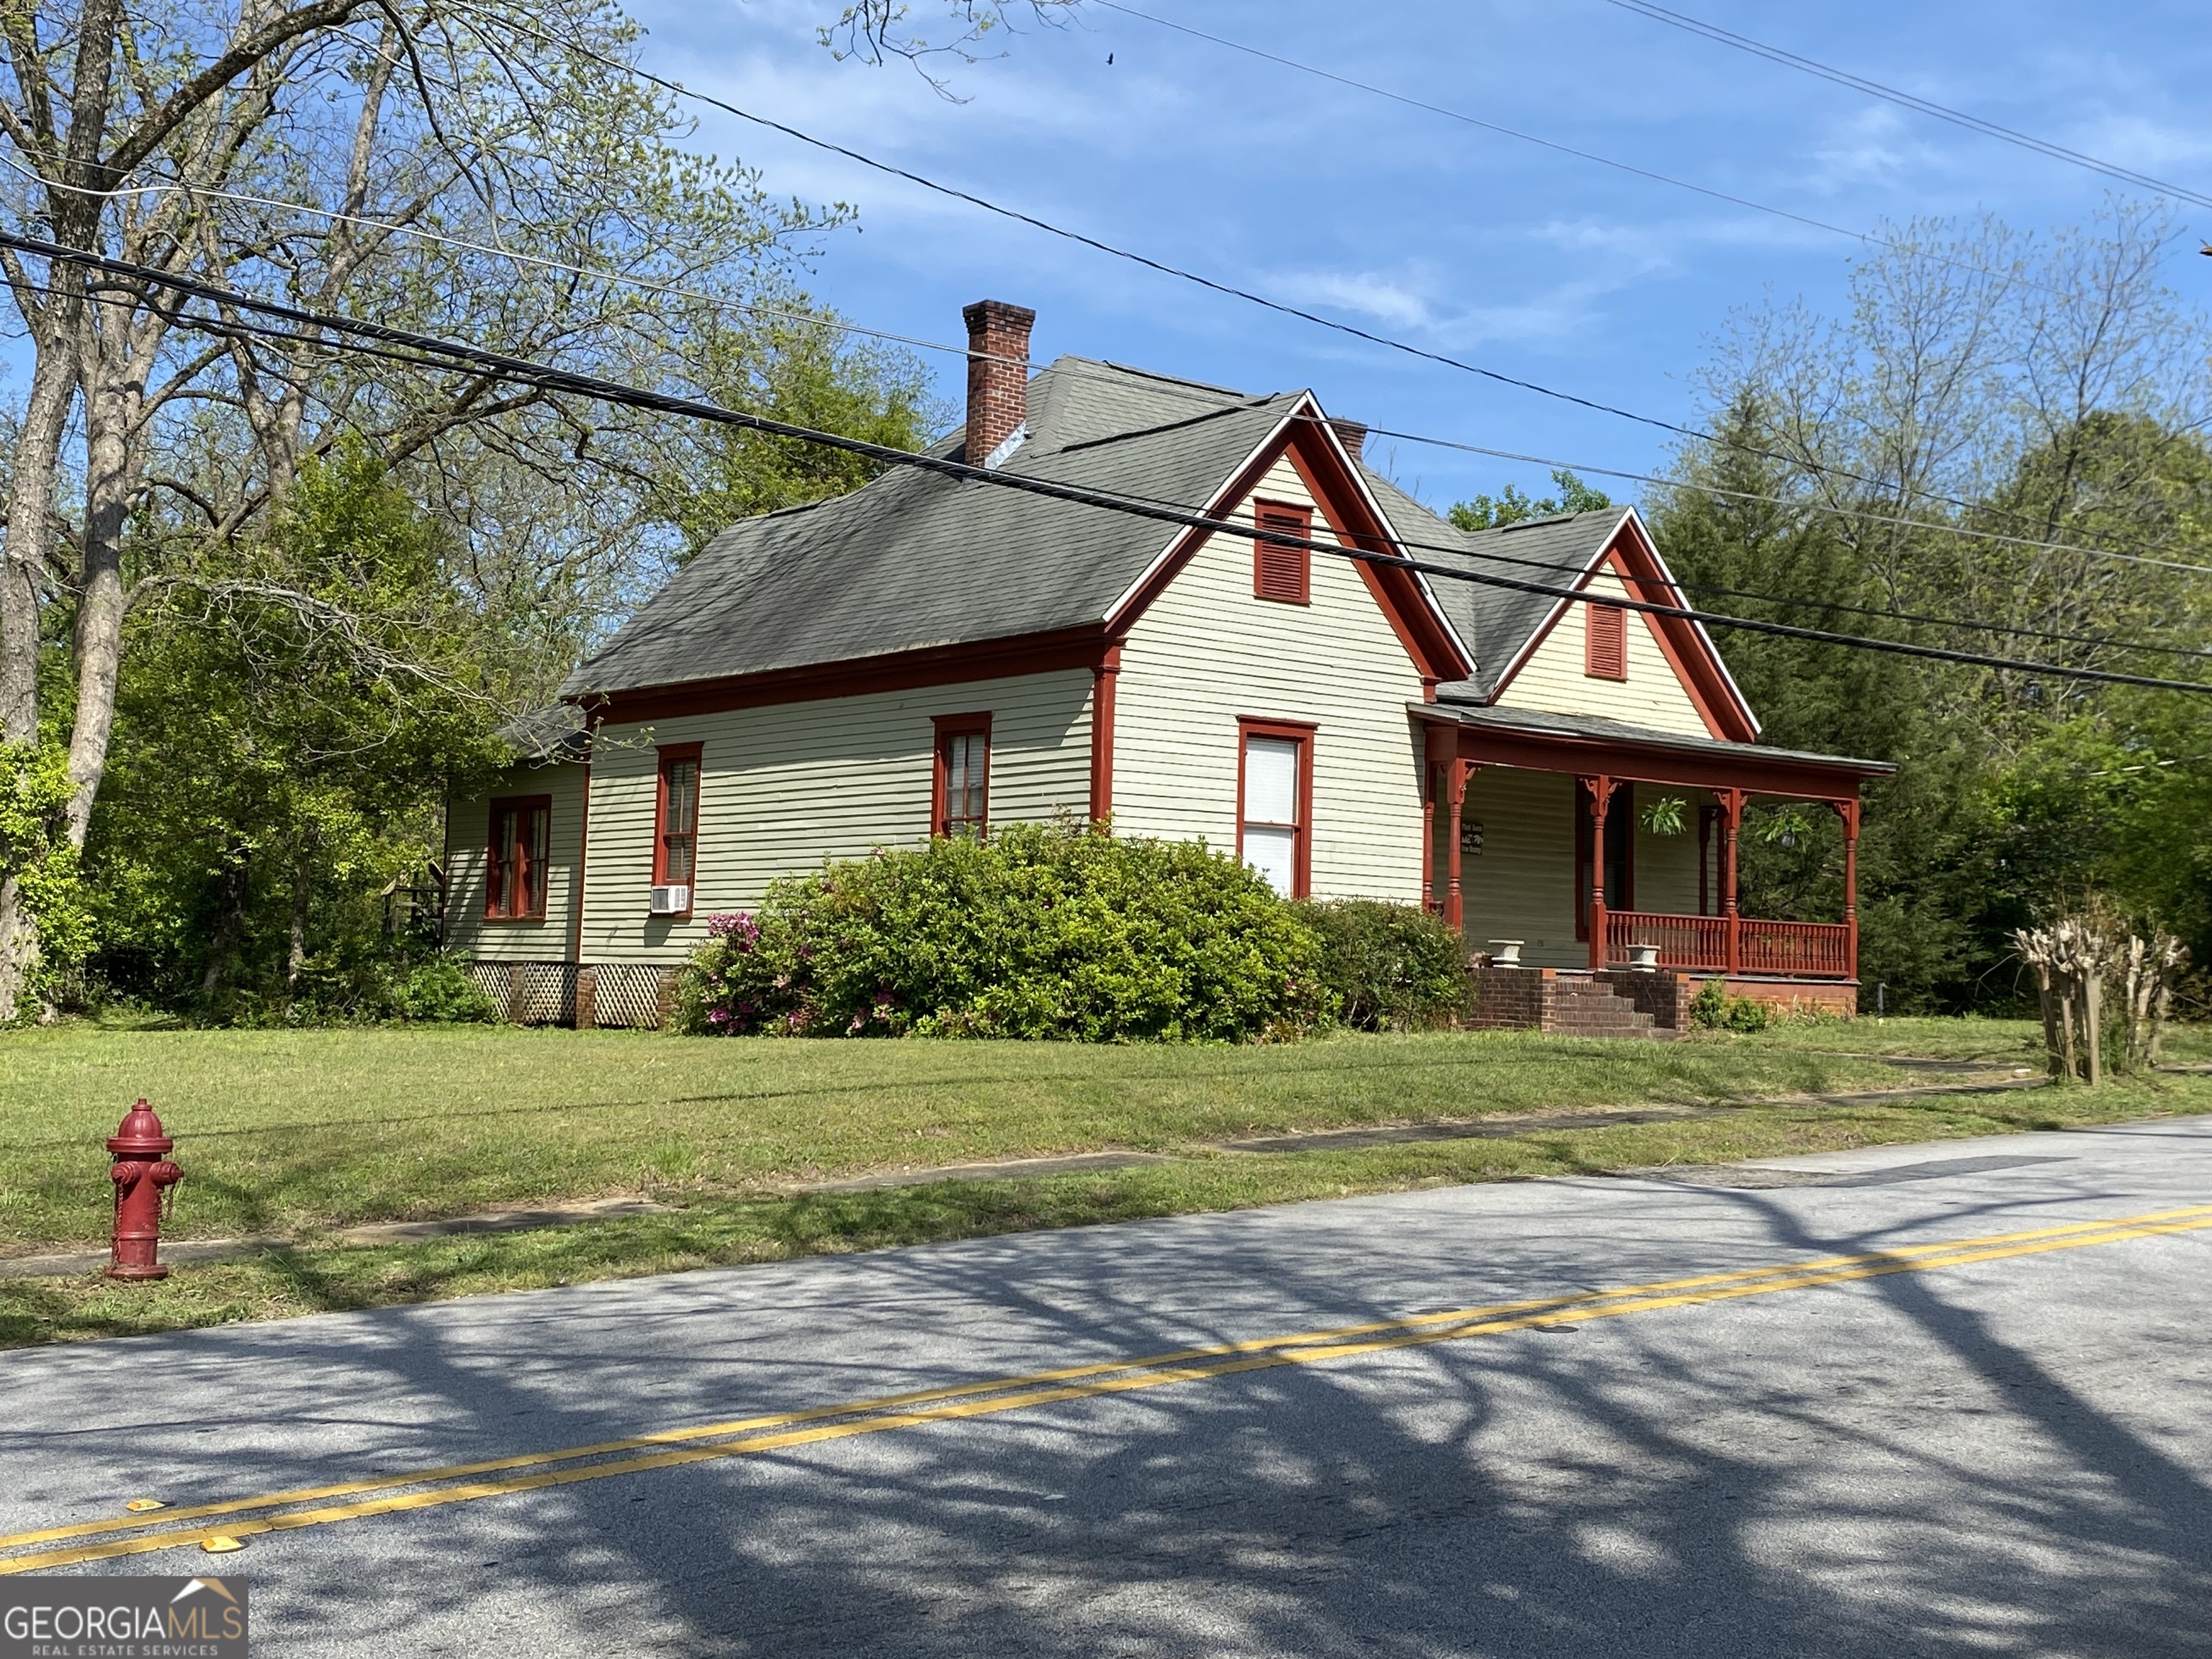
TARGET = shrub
x,y
439,990
1714,1009
1039,932
1393,967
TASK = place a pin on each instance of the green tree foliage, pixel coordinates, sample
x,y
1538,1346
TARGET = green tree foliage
x,y
2057,391
34,844
1039,932
287,724
796,370
1509,506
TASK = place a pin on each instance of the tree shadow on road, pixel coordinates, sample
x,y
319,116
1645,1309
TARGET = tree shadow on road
x,y
1908,1465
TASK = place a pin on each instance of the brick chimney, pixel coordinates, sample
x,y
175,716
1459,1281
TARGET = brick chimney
x,y
998,374
1353,433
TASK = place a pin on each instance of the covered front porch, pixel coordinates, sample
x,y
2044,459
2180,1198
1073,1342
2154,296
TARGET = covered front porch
x,y
1584,845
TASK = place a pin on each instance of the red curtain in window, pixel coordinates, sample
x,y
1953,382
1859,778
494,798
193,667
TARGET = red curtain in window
x,y
516,857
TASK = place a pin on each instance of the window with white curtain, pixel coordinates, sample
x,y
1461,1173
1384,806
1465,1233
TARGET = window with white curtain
x,y
1275,813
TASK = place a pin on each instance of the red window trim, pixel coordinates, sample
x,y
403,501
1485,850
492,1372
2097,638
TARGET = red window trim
x,y
1302,732
1297,520
1605,659
948,727
665,753
522,807
1621,810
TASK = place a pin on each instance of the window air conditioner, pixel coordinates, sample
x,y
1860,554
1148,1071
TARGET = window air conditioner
x,y
669,901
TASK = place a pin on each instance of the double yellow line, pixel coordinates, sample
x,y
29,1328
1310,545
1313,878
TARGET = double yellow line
x,y
461,1483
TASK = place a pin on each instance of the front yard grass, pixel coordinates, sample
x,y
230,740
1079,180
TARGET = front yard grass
x,y
299,1133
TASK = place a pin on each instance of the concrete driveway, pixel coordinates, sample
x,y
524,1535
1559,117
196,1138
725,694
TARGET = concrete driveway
x,y
1944,1399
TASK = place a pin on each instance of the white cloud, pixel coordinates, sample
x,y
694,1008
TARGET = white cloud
x,y
1384,299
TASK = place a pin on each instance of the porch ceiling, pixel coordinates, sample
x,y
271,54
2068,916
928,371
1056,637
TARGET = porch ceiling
x,y
1588,744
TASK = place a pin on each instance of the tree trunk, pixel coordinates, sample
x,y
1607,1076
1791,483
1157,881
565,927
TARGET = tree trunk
x,y
2093,1020
2054,1055
230,927
30,524
111,480
302,888
22,579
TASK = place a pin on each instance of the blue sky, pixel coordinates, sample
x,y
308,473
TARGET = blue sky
x,y
1535,263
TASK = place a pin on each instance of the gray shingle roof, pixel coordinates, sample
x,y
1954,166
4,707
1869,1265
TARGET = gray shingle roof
x,y
1463,705
914,559
1495,622
552,733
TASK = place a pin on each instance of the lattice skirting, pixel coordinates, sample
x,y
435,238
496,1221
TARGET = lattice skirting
x,y
633,995
530,992
608,995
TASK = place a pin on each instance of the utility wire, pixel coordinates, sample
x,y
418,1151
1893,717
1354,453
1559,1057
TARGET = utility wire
x,y
1223,402
1905,99
1865,237
523,371
1352,330
1185,390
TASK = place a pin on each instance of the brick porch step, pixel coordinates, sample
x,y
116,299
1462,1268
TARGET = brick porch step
x,y
1613,1004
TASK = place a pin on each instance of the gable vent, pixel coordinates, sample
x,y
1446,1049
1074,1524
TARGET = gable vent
x,y
1278,573
1605,655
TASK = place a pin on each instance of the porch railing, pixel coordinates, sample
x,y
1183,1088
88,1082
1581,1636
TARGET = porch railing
x,y
1796,949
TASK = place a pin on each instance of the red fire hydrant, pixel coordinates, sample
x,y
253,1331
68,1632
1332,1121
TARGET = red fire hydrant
x,y
139,1172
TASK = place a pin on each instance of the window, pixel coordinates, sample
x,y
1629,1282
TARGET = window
x,y
1280,573
676,821
515,867
1274,803
1605,655
961,798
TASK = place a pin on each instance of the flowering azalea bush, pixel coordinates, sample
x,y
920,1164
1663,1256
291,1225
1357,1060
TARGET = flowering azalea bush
x,y
1039,932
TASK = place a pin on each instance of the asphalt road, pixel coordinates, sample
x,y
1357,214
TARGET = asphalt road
x,y
1996,1450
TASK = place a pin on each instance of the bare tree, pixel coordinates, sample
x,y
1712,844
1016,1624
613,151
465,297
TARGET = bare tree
x,y
477,167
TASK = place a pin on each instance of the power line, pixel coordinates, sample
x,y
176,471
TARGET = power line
x,y
1192,392
522,371
1905,99
1185,389
1866,238
955,193
1866,515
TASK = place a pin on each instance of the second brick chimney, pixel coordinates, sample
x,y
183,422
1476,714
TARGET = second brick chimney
x,y
998,375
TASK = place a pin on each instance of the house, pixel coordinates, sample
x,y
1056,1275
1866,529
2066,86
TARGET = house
x,y
1561,778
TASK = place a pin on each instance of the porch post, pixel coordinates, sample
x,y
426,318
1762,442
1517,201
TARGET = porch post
x,y
1437,744
1456,774
1847,810
1600,796
1731,820
1705,860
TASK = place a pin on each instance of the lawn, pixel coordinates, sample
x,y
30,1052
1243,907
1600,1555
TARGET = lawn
x,y
296,1133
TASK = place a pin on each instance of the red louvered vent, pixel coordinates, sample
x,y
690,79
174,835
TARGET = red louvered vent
x,y
1605,655
1280,573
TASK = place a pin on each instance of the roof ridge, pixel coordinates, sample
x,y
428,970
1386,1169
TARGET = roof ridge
x,y
1173,380
1187,421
